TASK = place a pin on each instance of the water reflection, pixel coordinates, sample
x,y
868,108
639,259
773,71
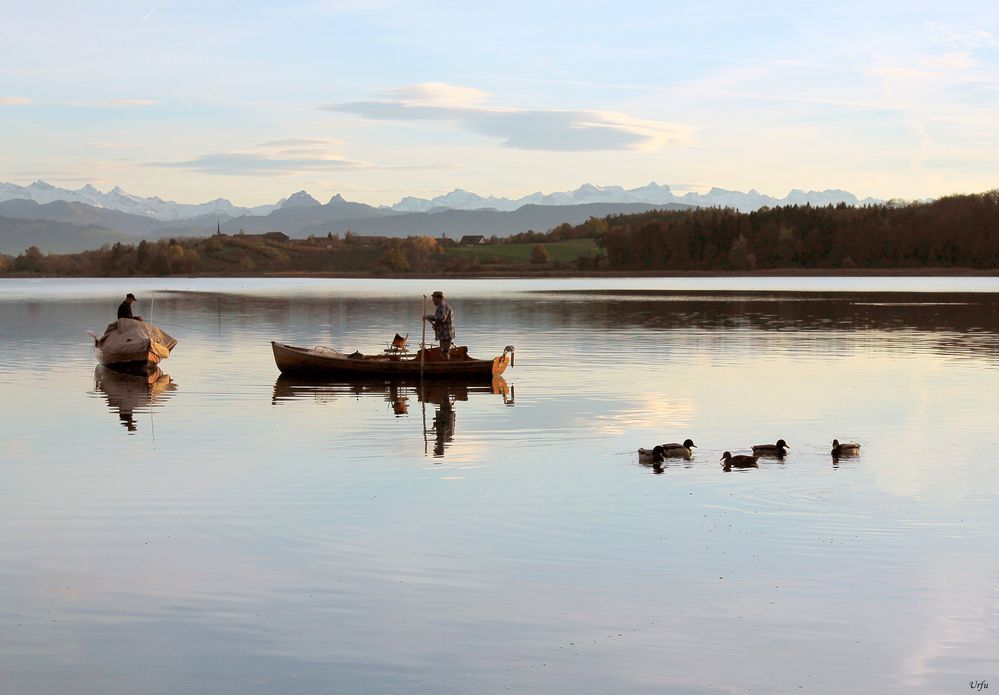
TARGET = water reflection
x,y
399,396
129,393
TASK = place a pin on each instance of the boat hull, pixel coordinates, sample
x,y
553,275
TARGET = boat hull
x,y
136,363
321,361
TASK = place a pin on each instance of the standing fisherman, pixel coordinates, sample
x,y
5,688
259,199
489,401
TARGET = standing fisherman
x,y
443,322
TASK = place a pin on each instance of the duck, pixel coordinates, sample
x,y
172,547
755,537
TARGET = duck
x,y
779,449
653,455
845,449
739,461
679,450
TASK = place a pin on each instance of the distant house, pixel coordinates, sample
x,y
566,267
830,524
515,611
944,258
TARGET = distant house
x,y
472,240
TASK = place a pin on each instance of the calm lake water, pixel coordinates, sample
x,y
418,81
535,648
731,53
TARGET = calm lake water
x,y
224,530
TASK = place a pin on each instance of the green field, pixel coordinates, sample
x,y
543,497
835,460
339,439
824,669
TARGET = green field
x,y
559,251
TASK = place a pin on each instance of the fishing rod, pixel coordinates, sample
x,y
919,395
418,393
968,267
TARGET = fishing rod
x,y
423,395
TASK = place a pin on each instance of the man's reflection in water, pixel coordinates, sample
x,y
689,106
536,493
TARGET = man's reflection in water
x,y
444,420
127,419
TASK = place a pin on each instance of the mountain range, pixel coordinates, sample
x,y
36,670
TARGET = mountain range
x,y
652,193
64,220
458,199
117,199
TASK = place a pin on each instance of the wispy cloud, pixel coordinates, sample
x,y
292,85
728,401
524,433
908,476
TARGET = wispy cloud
x,y
438,94
15,101
530,129
946,34
302,147
132,102
113,103
294,156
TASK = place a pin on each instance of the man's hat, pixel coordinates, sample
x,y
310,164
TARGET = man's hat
x,y
130,296
438,293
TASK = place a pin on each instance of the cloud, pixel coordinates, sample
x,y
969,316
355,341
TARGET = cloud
x,y
294,156
301,148
113,103
300,142
132,102
946,34
436,94
529,129
15,101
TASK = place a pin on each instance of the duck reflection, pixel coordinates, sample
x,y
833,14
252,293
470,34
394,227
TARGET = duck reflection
x,y
129,393
399,395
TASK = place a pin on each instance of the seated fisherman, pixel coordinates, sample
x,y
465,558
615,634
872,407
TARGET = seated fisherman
x,y
125,308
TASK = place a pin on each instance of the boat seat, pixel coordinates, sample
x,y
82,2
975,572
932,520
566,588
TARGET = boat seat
x,y
399,345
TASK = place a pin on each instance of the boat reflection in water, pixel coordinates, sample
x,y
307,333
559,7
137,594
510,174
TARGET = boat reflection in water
x,y
129,393
399,395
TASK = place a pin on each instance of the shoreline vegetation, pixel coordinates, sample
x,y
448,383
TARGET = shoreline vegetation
x,y
956,235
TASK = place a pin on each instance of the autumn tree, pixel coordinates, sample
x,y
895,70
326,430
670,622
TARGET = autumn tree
x,y
540,255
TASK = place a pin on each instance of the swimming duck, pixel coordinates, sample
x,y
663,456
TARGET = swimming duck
x,y
739,461
779,449
653,455
679,450
845,449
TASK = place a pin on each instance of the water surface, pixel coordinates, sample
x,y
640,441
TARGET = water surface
x,y
218,528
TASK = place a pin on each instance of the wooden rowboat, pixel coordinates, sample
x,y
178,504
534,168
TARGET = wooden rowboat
x,y
430,363
133,346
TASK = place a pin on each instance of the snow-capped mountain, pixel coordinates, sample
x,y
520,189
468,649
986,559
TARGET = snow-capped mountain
x,y
300,200
117,199
455,200
651,193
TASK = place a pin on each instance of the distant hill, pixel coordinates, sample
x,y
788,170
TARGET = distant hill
x,y
71,227
298,215
456,223
80,214
53,237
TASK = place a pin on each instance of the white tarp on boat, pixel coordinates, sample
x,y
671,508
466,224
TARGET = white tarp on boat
x,y
126,338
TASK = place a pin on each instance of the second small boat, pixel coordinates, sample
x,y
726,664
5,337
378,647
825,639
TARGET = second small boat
x,y
428,362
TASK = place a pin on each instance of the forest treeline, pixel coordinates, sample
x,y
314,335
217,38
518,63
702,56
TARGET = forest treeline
x,y
960,231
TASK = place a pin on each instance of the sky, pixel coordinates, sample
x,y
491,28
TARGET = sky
x,y
378,99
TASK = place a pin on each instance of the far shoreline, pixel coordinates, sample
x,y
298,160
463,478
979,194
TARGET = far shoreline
x,y
567,274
